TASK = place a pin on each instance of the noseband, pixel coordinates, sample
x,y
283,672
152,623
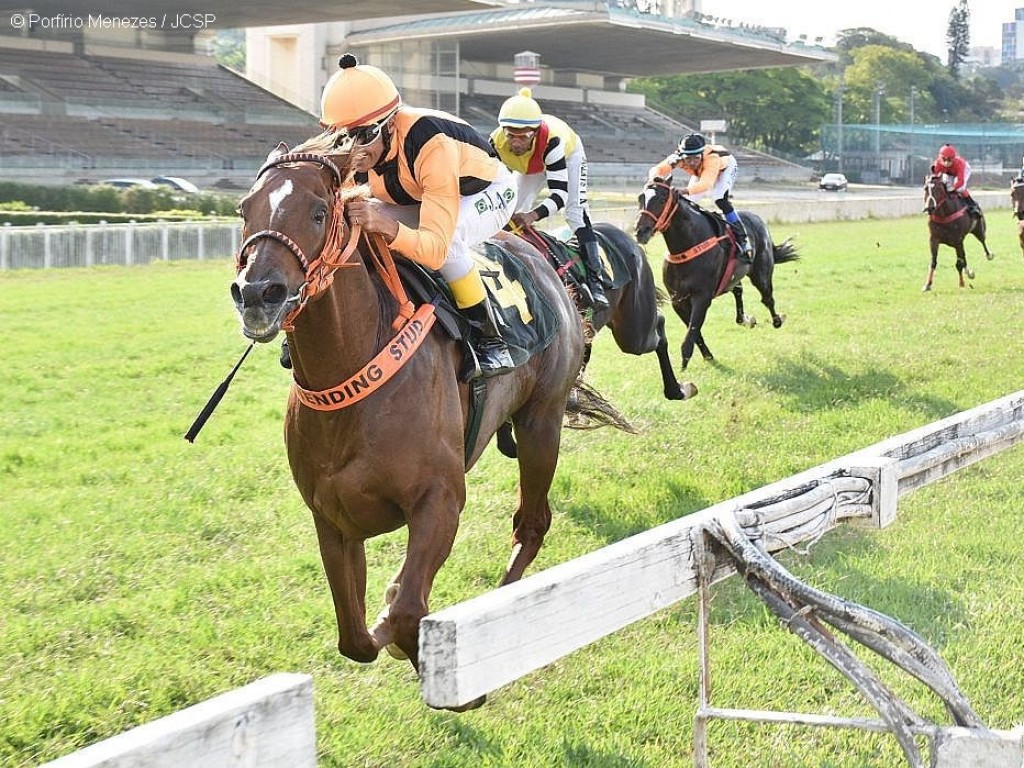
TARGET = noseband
x,y
319,272
934,206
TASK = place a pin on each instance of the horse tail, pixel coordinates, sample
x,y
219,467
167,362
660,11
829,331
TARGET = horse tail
x,y
660,297
587,409
785,251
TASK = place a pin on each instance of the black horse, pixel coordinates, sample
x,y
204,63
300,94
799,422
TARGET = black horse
x,y
949,223
633,313
701,264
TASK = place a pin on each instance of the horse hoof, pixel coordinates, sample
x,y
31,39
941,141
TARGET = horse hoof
x,y
474,704
927,287
689,390
395,652
990,256
778,321
970,274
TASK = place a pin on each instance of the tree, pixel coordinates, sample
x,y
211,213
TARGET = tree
x,y
770,109
958,37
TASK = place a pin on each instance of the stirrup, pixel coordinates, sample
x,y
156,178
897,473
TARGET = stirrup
x,y
492,355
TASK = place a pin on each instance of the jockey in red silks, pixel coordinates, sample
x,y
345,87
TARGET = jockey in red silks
x,y
956,172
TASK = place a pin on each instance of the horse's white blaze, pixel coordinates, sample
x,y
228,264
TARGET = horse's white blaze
x,y
648,196
278,195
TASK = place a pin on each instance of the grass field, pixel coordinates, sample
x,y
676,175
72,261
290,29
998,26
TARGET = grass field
x,y
141,574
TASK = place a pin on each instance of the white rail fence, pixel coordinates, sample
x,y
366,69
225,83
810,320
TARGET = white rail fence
x,y
87,245
268,724
477,646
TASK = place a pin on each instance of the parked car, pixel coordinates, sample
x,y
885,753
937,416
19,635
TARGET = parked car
x,y
835,182
129,183
176,183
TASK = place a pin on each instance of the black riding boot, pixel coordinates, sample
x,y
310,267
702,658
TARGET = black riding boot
x,y
744,251
973,208
492,352
592,261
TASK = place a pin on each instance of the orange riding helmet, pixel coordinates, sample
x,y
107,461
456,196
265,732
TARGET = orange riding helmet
x,y
356,95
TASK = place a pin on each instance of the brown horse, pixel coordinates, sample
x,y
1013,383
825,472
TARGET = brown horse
x,y
949,223
1017,199
634,301
398,455
700,265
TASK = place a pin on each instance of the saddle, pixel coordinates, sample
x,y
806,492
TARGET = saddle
x,y
564,256
525,320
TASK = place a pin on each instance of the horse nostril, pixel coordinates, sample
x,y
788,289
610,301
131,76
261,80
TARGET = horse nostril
x,y
236,294
275,293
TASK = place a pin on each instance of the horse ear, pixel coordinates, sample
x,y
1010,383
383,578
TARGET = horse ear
x,y
276,152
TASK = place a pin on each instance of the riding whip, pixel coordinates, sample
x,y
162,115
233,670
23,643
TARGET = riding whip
x,y
215,398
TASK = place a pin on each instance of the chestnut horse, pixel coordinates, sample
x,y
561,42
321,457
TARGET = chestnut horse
x,y
949,223
633,313
396,456
1017,200
700,265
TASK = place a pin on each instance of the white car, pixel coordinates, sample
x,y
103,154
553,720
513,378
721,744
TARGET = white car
x,y
833,181
176,183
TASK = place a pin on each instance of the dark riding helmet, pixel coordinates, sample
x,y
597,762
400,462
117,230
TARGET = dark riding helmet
x,y
692,144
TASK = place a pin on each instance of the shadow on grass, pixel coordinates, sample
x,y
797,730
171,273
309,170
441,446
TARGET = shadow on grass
x,y
815,383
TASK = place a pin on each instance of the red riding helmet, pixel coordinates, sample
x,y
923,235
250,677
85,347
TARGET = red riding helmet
x,y
948,152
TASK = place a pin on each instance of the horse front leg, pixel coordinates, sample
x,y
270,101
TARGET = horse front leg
x,y
698,313
432,524
673,390
933,244
344,563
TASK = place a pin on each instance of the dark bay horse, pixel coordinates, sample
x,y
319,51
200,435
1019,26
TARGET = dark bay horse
x,y
949,223
1017,201
633,313
396,455
700,266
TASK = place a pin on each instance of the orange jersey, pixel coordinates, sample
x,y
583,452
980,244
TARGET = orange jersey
x,y
434,159
711,164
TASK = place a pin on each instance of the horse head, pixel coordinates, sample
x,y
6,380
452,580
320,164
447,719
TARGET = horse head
x,y
292,227
656,203
936,196
1017,197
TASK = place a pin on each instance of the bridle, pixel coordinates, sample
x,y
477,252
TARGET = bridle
x,y
339,245
668,210
663,219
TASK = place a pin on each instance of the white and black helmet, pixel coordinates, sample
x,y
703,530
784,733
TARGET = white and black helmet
x,y
692,144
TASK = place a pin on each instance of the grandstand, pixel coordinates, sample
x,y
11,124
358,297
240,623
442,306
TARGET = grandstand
x,y
82,117
74,108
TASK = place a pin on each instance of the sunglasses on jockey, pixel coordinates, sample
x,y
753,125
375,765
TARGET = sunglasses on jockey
x,y
366,134
519,133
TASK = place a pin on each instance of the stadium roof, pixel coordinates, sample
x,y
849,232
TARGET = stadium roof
x,y
603,38
229,14
609,41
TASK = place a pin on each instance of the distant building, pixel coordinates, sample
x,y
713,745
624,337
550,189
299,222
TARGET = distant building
x,y
1013,39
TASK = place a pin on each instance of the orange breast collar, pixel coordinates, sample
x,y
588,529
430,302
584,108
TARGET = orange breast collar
x,y
375,373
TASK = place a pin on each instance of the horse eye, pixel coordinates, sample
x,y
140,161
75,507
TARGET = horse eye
x,y
320,215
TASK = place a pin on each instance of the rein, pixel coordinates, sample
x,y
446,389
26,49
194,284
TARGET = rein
x,y
662,221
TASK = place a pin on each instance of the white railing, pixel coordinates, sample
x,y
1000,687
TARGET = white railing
x,y
87,245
